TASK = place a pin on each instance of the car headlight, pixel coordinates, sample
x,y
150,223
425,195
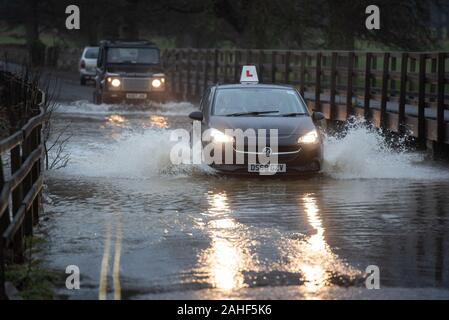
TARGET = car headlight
x,y
156,83
115,83
309,138
220,137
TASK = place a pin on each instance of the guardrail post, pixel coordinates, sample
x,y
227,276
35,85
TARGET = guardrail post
x,y
2,269
349,88
287,68
17,196
236,66
402,93
318,82
422,99
215,66
384,95
367,91
333,89
302,76
197,75
261,65
27,149
187,88
273,66
4,221
206,71
440,98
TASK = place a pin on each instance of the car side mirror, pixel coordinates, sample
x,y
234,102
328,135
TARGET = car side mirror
x,y
196,115
317,116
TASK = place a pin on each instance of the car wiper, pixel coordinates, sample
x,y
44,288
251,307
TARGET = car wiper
x,y
252,113
292,114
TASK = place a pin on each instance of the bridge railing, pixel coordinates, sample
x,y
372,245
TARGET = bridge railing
x,y
398,91
20,176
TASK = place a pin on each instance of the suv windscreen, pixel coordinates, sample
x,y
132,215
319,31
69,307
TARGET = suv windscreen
x,y
266,101
133,55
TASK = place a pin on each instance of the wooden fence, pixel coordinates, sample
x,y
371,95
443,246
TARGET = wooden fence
x,y
20,180
399,91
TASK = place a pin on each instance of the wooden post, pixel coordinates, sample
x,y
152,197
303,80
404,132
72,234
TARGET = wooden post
x,y
349,88
287,68
402,92
206,71
17,196
367,91
333,84
188,75
180,73
302,77
422,99
236,66
197,74
261,68
273,66
440,98
215,66
318,82
384,93
27,149
36,204
4,221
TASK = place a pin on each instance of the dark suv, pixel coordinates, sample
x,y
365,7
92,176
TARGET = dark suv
x,y
128,70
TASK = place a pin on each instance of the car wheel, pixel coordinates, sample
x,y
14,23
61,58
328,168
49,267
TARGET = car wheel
x,y
82,81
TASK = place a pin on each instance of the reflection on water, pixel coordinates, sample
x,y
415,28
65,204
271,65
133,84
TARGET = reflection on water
x,y
116,119
159,121
228,256
313,269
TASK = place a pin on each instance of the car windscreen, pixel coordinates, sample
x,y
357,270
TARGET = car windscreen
x,y
91,53
133,55
258,101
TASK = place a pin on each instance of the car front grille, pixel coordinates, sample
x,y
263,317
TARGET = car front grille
x,y
136,84
282,150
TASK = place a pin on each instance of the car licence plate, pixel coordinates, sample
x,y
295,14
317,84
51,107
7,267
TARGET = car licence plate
x,y
269,168
136,95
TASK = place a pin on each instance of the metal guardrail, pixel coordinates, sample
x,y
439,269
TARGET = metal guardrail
x,y
399,91
20,196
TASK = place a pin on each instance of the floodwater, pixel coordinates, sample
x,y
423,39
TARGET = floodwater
x,y
139,227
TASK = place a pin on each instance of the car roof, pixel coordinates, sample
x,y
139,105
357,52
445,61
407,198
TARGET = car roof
x,y
253,85
120,43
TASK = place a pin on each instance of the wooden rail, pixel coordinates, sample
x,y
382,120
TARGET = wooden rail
x,y
398,91
21,184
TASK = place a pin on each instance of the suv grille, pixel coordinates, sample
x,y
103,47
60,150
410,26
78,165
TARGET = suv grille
x,y
136,84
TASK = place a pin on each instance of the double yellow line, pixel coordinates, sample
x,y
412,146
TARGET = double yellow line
x,y
103,287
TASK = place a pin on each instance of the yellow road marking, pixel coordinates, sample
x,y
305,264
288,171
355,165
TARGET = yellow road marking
x,y
116,268
102,292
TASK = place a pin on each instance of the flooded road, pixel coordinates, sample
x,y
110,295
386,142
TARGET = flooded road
x,y
141,228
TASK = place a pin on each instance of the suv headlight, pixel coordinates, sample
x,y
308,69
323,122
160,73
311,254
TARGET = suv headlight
x,y
156,83
309,138
220,137
114,82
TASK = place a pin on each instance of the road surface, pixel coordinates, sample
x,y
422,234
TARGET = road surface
x,y
141,228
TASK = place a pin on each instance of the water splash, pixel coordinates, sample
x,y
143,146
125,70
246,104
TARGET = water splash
x,y
86,108
133,155
362,152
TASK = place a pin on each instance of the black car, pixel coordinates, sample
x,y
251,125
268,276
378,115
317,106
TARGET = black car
x,y
128,70
262,106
